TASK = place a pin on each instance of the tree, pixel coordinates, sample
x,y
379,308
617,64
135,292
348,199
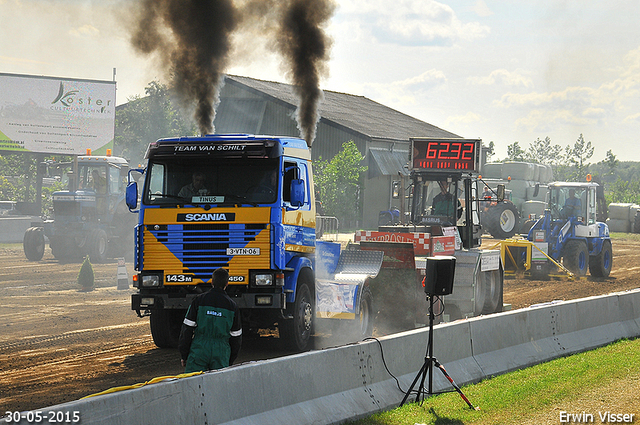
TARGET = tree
x,y
543,152
624,191
146,119
515,152
86,276
340,181
577,156
611,162
491,150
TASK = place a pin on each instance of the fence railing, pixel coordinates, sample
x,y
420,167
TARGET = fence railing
x,y
327,227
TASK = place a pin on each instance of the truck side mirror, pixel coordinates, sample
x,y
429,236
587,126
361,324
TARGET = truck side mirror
x,y
131,196
500,191
297,192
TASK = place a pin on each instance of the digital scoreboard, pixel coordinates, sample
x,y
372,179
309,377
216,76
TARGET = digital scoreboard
x,y
445,154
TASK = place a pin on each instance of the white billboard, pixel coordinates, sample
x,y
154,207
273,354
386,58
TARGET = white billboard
x,y
56,115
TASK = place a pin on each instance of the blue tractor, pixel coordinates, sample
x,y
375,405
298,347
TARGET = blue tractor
x,y
89,217
569,231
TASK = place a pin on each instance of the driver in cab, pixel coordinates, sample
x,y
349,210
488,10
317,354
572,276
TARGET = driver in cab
x,y
195,188
443,202
98,183
572,205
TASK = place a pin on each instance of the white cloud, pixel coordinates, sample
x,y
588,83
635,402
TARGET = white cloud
x,y
426,80
84,31
482,9
503,77
632,119
415,86
466,119
579,107
411,22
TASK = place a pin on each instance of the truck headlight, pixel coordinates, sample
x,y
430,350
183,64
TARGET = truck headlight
x,y
151,280
265,279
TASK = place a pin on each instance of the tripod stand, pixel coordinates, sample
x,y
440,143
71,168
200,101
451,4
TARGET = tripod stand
x,y
427,367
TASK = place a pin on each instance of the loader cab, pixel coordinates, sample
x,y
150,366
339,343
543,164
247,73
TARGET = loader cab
x,y
566,200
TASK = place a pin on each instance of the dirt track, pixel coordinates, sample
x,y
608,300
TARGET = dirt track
x,y
59,344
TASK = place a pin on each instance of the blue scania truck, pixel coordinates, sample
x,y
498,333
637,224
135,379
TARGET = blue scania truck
x,y
244,203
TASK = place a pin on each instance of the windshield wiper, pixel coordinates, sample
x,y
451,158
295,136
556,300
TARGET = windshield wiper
x,y
241,199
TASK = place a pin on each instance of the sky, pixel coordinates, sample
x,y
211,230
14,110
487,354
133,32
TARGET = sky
x,y
502,71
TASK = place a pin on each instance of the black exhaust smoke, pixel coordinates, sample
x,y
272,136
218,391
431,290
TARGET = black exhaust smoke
x,y
305,46
193,38
192,41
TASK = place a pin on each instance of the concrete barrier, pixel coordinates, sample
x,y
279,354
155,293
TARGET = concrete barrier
x,y
12,228
332,385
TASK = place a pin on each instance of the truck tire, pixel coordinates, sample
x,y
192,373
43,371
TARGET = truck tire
x,y
576,257
165,327
364,321
502,220
98,245
489,292
33,243
296,332
600,265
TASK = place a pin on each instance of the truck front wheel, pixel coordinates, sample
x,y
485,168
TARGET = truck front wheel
x,y
296,332
165,327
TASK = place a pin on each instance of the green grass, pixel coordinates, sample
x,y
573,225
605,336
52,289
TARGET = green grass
x,y
516,396
625,236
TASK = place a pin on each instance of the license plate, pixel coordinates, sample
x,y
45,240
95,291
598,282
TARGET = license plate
x,y
243,251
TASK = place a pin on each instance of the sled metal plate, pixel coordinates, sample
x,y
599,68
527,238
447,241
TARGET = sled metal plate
x,y
360,262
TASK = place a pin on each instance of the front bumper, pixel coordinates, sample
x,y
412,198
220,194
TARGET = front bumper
x,y
162,301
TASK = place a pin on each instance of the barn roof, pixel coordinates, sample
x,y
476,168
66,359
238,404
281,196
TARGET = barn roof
x,y
356,113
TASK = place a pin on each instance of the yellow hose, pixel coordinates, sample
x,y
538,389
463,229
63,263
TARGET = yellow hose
x,y
142,384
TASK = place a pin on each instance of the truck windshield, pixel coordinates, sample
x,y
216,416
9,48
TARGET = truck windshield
x,y
217,181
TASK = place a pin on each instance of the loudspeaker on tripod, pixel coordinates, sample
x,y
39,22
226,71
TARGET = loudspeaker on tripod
x,y
439,275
